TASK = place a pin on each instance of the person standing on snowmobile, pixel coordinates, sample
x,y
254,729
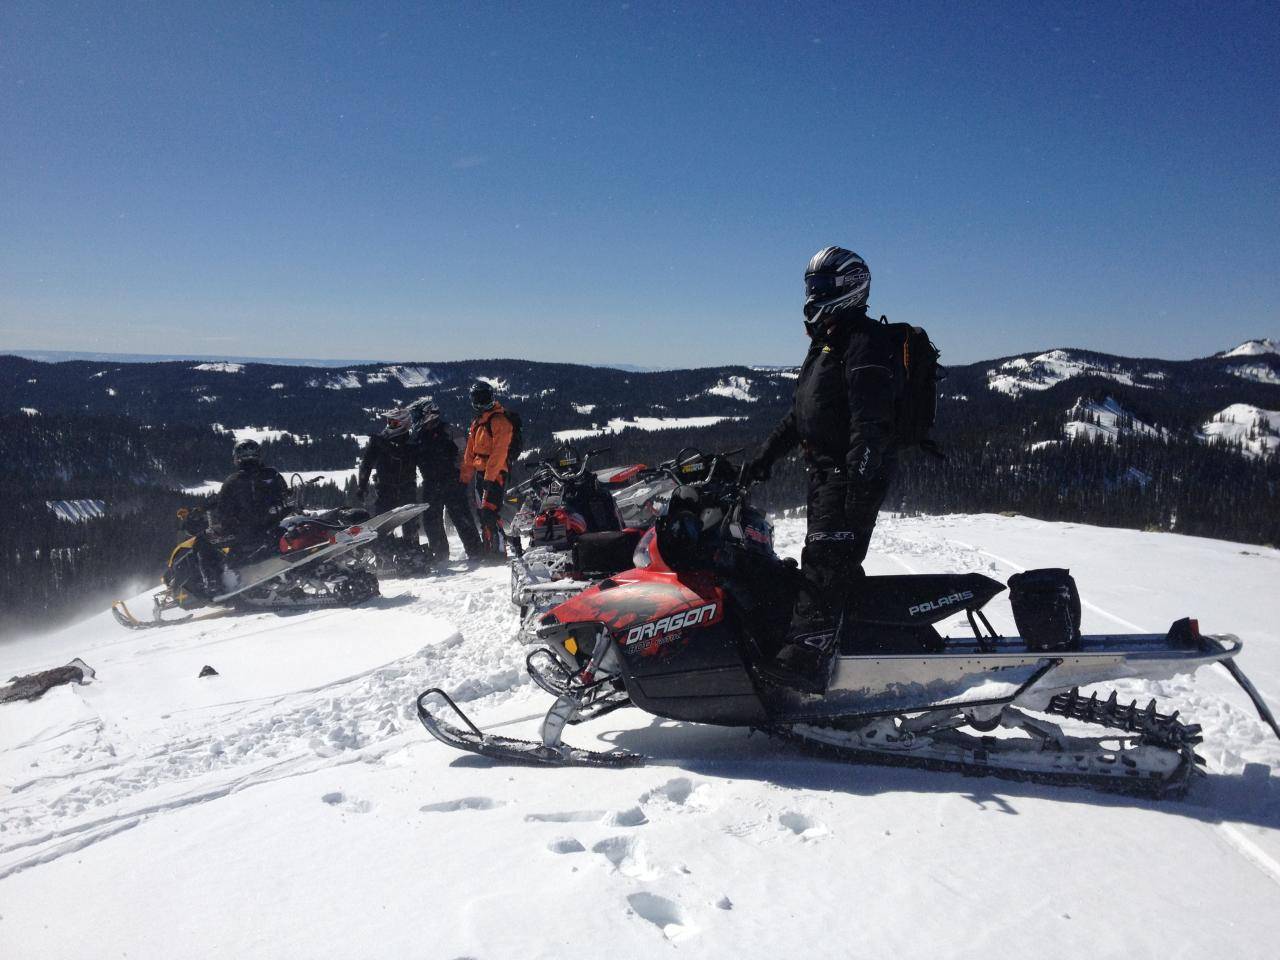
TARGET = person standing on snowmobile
x,y
436,456
389,457
842,416
484,462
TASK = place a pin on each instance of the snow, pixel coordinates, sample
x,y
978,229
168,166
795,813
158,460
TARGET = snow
x,y
641,423
1110,421
1045,370
111,392
205,398
498,383
1254,430
29,411
583,408
293,801
277,386
413,376
1258,372
220,367
1253,348
76,511
735,388
347,380
260,434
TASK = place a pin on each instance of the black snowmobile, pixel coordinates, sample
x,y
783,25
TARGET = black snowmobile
x,y
683,633
310,561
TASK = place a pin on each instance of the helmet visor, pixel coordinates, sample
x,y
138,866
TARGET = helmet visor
x,y
821,286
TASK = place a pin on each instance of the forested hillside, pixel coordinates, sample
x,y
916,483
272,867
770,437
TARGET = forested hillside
x,y
1187,446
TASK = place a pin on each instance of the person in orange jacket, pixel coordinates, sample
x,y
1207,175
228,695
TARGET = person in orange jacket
x,y
485,463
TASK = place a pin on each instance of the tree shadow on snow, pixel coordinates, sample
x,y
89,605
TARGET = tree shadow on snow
x,y
728,752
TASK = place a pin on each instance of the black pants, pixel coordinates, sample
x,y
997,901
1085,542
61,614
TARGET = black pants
x,y
451,497
839,533
388,496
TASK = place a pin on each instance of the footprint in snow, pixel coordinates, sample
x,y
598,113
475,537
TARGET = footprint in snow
x,y
462,803
339,799
667,915
626,854
565,816
804,827
680,792
631,817
565,845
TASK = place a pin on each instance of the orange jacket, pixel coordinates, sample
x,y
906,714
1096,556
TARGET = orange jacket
x,y
488,441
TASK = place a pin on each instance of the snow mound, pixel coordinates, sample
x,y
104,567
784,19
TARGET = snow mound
x,y
1253,348
1046,370
1254,430
220,367
76,511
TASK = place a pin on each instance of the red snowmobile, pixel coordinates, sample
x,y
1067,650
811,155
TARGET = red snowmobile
x,y
683,635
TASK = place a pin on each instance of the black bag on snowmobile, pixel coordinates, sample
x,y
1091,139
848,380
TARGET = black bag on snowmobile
x,y
917,373
1046,608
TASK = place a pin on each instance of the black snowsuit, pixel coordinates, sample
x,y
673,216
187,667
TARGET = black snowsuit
x,y
252,501
436,456
392,461
843,418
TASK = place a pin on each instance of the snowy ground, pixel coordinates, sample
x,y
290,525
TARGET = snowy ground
x,y
292,807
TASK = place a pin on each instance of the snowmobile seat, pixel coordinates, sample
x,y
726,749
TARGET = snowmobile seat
x,y
896,614
606,551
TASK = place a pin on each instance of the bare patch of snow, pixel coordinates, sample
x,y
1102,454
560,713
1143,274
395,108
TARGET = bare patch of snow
x,y
735,388
220,367
30,411
277,386
76,511
1253,348
584,407
1107,420
1257,372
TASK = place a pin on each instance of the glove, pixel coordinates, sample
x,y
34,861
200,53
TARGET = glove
x,y
492,495
760,469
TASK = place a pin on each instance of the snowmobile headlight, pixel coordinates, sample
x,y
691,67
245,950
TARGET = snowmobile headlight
x,y
643,555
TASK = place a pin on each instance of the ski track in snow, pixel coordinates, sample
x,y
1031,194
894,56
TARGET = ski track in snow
x,y
85,770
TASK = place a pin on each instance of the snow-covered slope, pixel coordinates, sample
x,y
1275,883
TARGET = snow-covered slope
x,y
1255,431
1253,348
292,807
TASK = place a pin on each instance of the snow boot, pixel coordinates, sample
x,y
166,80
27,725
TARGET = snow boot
x,y
804,661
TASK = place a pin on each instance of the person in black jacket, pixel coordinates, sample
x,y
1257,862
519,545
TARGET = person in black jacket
x,y
252,501
842,417
436,456
389,458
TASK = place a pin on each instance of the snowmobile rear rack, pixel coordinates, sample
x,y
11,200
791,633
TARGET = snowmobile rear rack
x,y
510,749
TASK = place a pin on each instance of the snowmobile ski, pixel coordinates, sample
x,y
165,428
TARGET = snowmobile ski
x,y
126,617
511,749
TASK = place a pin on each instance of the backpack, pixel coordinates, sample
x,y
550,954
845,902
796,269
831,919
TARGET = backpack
x,y
917,372
516,446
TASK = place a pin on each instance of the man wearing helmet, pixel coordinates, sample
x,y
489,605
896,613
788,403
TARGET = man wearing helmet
x,y
436,455
389,457
484,463
252,500
842,417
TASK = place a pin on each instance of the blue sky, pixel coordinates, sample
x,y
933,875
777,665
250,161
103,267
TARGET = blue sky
x,y
636,183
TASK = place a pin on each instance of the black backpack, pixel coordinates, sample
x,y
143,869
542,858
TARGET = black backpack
x,y
917,373
517,437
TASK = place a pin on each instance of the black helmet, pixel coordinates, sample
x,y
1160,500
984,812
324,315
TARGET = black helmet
x,y
246,452
423,414
481,396
836,280
395,423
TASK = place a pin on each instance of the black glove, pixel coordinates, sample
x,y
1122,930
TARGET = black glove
x,y
492,500
760,469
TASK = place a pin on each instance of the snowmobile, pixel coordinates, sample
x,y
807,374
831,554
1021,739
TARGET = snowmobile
x,y
572,545
311,561
688,632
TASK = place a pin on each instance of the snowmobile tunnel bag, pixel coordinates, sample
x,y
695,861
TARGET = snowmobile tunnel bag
x,y
608,551
1046,608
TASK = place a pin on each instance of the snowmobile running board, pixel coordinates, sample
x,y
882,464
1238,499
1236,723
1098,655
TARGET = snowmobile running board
x,y
510,749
